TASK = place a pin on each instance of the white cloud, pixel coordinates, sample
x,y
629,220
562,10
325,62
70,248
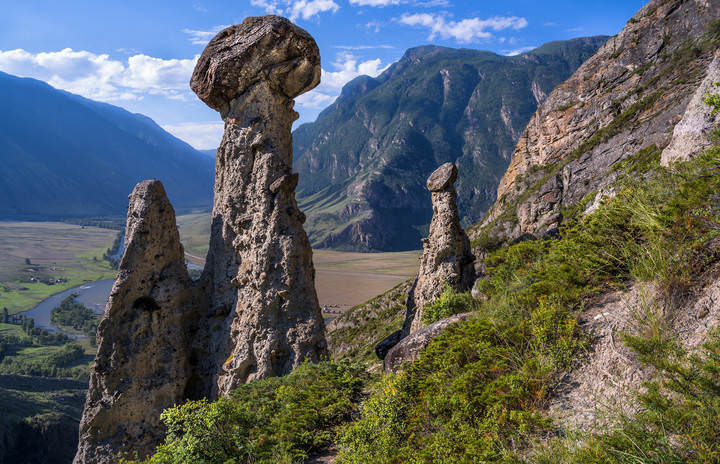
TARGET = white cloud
x,y
270,6
375,2
198,37
384,3
99,77
374,25
295,9
518,51
309,8
201,135
466,30
347,67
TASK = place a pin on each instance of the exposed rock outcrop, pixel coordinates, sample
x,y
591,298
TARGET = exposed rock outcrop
x,y
254,313
446,258
690,135
141,365
606,378
259,269
409,349
627,97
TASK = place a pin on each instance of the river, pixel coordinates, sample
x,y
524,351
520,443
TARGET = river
x,y
91,294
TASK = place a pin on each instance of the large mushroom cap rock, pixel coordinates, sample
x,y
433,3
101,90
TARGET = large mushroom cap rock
x,y
266,48
442,178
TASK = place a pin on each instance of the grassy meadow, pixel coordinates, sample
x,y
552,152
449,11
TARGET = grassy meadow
x,y
69,252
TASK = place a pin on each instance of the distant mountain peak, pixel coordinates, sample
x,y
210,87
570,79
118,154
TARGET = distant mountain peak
x,y
364,161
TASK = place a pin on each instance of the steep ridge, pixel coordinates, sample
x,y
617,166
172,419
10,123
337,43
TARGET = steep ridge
x,y
364,162
627,97
66,156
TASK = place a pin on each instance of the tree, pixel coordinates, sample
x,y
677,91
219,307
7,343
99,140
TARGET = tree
x,y
5,316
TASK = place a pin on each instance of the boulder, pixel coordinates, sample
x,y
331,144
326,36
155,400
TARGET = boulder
x,y
409,349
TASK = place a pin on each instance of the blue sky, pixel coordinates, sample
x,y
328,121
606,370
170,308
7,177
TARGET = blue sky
x,y
140,54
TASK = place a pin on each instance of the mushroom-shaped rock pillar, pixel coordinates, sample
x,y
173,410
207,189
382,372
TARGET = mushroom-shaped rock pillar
x,y
446,258
265,317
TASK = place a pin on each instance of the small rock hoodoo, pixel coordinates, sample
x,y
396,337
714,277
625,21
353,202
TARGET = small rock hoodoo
x,y
254,312
446,260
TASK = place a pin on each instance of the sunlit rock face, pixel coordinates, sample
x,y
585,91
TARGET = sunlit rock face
x,y
141,365
254,313
446,259
259,270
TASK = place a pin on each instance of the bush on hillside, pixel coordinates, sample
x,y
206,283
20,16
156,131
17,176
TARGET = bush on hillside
x,y
449,304
477,393
279,420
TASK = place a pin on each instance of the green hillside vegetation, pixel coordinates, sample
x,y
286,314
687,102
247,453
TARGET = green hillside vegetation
x,y
478,393
364,162
28,350
39,418
270,421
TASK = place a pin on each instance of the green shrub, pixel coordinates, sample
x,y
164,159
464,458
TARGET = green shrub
x,y
275,420
477,393
449,304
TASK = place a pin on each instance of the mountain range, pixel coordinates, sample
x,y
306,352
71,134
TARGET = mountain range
x,y
364,161
67,156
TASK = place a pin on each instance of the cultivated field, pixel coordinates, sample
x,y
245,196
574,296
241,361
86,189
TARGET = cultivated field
x,y
67,252
344,279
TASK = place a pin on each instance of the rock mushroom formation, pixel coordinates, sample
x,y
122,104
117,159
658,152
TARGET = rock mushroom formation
x,y
446,258
259,275
141,365
254,312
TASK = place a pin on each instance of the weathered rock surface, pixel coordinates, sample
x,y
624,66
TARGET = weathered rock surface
x,y
141,365
259,272
626,97
409,349
606,378
690,135
446,258
254,312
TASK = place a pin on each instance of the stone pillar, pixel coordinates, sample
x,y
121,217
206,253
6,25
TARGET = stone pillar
x,y
141,365
259,272
446,258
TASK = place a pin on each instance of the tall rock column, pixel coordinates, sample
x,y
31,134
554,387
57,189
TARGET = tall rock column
x,y
446,258
259,275
141,365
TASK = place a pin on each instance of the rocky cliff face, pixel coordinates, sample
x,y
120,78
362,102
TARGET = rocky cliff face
x,y
364,162
628,96
254,312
